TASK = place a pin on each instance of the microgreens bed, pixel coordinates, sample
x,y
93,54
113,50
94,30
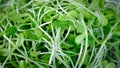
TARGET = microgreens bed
x,y
59,33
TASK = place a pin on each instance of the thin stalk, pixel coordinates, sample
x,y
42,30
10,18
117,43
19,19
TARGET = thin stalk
x,y
41,29
52,55
24,57
66,35
86,42
26,5
92,55
90,30
104,42
80,53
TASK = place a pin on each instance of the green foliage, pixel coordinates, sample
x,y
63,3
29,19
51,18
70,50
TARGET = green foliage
x,y
80,28
79,38
20,40
46,18
59,33
25,27
22,64
38,33
15,17
110,65
29,35
64,24
11,31
103,19
73,14
104,63
64,18
34,54
4,52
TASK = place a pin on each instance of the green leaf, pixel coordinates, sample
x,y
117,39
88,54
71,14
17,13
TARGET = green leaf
x,y
64,18
62,24
67,46
34,54
15,17
29,35
70,39
11,31
91,21
85,14
109,14
103,19
56,24
47,18
20,40
38,33
110,65
22,64
4,52
25,26
65,24
73,13
104,63
79,38
94,4
80,28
